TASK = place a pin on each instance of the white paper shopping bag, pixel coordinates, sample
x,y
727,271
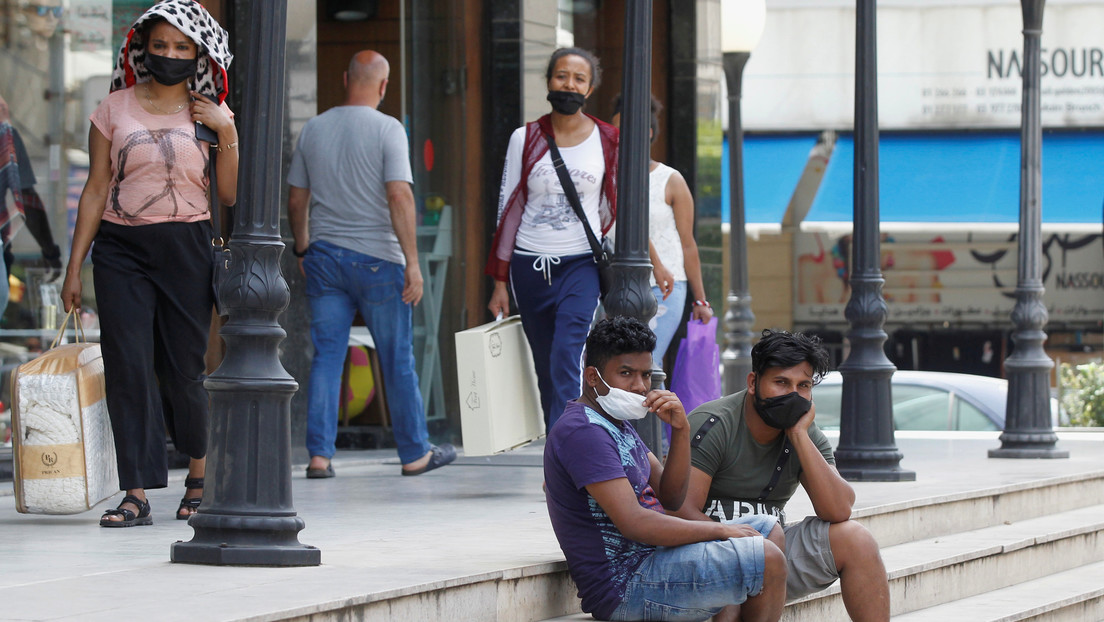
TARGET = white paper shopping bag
x,y
499,401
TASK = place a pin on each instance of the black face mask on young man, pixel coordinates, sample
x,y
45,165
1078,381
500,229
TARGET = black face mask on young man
x,y
170,71
566,102
783,411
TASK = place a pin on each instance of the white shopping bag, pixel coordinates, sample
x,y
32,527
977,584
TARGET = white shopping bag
x,y
499,400
63,448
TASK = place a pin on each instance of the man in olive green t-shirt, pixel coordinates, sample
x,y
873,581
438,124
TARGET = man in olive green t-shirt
x,y
749,452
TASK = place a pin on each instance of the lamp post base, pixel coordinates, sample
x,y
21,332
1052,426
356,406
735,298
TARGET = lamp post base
x,y
1028,453
872,466
219,555
1029,446
870,474
258,541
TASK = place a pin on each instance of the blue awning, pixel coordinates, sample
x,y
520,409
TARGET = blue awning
x,y
968,178
772,168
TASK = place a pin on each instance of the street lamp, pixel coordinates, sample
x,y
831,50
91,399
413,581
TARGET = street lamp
x,y
1027,429
742,24
630,294
247,518
866,450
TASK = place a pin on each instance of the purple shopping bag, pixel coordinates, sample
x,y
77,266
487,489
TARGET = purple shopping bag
x,y
696,378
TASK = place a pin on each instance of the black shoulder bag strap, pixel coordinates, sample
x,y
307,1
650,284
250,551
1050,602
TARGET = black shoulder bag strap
x,y
783,457
220,269
212,184
573,197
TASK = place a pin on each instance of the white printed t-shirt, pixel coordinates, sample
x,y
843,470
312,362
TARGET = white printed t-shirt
x,y
548,224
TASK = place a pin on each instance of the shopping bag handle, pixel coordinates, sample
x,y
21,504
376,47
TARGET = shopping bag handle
x,y
76,322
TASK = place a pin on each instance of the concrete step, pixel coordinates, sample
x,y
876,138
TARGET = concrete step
x,y
917,519
938,570
544,591
1074,595
983,564
927,543
522,594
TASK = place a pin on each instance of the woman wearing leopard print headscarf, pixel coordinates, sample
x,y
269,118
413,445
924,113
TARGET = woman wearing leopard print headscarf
x,y
145,205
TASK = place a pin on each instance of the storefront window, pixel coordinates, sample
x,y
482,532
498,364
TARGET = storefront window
x,y
56,59
436,77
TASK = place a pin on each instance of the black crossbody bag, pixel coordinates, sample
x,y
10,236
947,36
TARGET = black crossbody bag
x,y
603,254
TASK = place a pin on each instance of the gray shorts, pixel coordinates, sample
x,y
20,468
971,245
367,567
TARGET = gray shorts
x,y
810,566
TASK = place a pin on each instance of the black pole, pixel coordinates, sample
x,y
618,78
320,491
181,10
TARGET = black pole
x,y
1027,427
247,517
738,318
631,294
866,450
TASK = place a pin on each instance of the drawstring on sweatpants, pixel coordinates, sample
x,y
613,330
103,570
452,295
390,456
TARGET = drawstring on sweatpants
x,y
544,263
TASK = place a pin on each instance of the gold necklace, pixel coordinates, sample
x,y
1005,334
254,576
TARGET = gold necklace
x,y
158,108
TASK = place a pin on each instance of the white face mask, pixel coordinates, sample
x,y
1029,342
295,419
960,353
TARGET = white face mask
x,y
621,404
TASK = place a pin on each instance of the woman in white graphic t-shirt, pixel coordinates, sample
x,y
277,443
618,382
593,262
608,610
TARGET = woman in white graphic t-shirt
x,y
540,246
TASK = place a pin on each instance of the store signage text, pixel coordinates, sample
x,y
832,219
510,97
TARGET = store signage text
x,y
1061,62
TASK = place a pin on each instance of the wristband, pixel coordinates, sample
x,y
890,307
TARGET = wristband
x,y
229,146
703,303
295,251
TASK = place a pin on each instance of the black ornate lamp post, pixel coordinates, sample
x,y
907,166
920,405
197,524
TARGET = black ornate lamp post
x,y
1027,428
630,294
866,450
247,516
742,23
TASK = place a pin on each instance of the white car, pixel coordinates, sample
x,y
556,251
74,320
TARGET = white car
x,y
929,400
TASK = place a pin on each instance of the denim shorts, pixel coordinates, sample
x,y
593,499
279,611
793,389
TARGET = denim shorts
x,y
695,581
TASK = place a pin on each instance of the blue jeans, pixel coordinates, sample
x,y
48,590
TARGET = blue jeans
x,y
694,581
341,282
667,319
665,324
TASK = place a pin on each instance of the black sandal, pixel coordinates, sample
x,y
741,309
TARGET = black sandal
x,y
130,519
190,504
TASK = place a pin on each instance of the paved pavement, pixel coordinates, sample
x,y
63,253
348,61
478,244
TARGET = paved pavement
x,y
381,533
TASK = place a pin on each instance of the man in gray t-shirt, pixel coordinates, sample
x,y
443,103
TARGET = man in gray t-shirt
x,y
351,211
749,452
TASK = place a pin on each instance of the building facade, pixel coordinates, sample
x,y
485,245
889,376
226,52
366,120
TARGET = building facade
x,y
464,75
949,93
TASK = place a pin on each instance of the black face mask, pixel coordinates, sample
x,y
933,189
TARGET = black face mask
x,y
783,411
566,102
170,71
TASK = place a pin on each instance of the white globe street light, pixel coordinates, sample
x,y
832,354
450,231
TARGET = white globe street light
x,y
742,23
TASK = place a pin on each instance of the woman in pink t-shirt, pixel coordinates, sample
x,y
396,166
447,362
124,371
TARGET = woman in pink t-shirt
x,y
145,205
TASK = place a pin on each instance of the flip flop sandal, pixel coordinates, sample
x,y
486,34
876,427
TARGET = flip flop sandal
x,y
320,473
130,519
442,455
190,504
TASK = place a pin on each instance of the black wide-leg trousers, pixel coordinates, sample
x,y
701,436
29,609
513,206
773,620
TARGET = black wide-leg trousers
x,y
154,298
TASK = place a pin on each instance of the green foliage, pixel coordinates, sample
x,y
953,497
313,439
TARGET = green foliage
x,y
1083,393
707,200
707,204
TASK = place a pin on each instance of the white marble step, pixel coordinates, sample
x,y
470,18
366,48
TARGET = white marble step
x,y
1073,595
951,567
915,519
948,570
